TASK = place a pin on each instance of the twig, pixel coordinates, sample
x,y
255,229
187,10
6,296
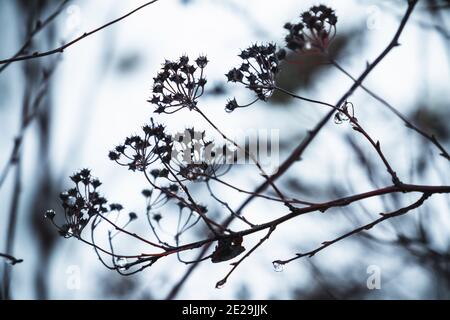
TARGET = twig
x,y
258,165
39,27
432,138
236,264
357,127
10,258
384,216
322,207
26,121
16,192
225,204
84,35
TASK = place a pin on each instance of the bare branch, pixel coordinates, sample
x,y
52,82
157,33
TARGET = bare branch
x,y
384,216
61,49
10,258
38,28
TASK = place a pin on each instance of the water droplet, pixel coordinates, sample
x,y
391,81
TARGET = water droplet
x,y
278,266
121,263
71,201
220,284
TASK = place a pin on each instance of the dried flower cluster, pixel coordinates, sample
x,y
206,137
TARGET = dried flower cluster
x,y
315,31
189,154
257,72
197,159
179,85
80,204
138,153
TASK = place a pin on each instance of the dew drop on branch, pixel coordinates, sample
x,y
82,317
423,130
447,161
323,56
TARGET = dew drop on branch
x,y
220,284
121,263
278,266
71,201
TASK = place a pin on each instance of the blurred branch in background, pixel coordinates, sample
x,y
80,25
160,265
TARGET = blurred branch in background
x,y
31,109
10,258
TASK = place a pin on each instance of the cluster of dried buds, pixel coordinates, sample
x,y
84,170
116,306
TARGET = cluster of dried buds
x,y
178,85
80,204
257,72
139,152
315,31
197,159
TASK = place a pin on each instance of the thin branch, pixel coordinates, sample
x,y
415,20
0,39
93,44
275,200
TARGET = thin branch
x,y
26,121
40,25
357,127
84,35
10,258
222,282
321,207
431,137
336,108
258,165
226,205
384,216
229,185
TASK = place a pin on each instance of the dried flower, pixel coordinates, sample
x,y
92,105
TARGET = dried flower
x,y
257,72
81,203
133,216
178,85
139,152
315,31
231,105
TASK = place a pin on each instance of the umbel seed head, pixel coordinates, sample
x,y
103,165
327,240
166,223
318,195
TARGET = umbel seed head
x,y
178,85
315,30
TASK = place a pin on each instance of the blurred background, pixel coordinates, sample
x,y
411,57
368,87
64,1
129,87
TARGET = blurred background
x,y
65,112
